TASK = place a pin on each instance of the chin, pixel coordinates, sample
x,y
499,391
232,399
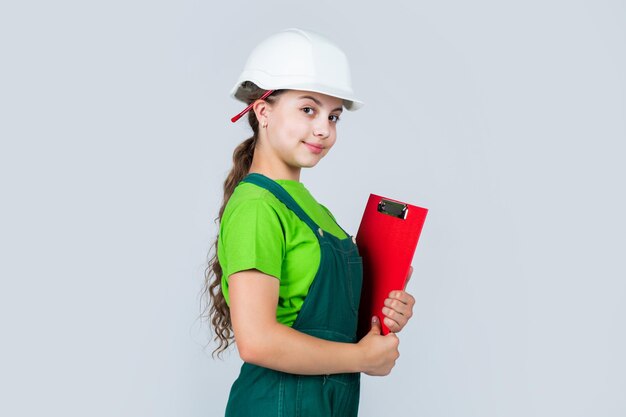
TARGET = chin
x,y
309,164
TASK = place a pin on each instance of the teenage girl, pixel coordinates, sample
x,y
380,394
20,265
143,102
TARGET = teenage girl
x,y
287,276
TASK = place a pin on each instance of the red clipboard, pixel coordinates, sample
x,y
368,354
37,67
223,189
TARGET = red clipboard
x,y
386,239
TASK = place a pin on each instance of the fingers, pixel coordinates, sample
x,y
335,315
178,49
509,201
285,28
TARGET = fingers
x,y
398,307
396,323
401,301
398,310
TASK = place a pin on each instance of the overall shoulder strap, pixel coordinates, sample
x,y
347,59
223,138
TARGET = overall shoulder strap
x,y
282,195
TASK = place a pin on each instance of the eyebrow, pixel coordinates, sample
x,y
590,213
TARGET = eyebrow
x,y
319,103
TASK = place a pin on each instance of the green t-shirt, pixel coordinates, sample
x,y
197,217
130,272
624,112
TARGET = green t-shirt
x,y
258,231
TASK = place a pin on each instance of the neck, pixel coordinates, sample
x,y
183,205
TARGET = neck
x,y
273,167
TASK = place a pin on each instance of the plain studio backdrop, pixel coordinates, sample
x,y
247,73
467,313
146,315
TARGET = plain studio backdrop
x,y
507,120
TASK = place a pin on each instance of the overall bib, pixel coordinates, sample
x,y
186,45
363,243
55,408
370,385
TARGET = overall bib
x,y
329,312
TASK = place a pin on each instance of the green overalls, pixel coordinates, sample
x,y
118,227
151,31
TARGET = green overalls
x,y
329,312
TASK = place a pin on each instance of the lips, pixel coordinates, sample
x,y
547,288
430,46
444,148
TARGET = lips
x,y
314,145
316,149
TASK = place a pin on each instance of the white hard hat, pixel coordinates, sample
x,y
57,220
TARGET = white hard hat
x,y
298,60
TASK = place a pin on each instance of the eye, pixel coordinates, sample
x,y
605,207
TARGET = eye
x,y
337,118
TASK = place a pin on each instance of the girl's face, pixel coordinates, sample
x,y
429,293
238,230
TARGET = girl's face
x,y
301,126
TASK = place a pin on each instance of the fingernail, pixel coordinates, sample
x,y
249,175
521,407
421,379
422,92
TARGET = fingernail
x,y
374,319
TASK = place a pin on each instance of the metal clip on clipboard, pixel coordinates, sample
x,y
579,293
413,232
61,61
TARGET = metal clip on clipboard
x,y
393,208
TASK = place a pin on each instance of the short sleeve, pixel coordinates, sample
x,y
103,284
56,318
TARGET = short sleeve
x,y
252,236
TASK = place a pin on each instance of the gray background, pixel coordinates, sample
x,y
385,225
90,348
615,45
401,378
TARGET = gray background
x,y
506,119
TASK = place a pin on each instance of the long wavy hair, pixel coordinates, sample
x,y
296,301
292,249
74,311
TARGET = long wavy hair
x,y
218,311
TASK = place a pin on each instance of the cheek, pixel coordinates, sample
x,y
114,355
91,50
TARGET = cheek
x,y
290,130
295,133
331,142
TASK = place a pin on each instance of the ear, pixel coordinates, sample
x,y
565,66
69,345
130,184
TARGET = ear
x,y
262,110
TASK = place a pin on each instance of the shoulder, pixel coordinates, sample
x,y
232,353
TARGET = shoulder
x,y
248,194
252,202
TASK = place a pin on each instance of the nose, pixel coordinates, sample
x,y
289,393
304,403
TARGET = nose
x,y
322,128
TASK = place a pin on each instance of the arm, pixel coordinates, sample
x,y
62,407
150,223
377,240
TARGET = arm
x,y
265,342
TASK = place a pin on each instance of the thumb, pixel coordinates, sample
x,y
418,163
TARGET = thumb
x,y
376,329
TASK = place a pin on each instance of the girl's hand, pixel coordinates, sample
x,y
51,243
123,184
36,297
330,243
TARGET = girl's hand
x,y
378,353
398,307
